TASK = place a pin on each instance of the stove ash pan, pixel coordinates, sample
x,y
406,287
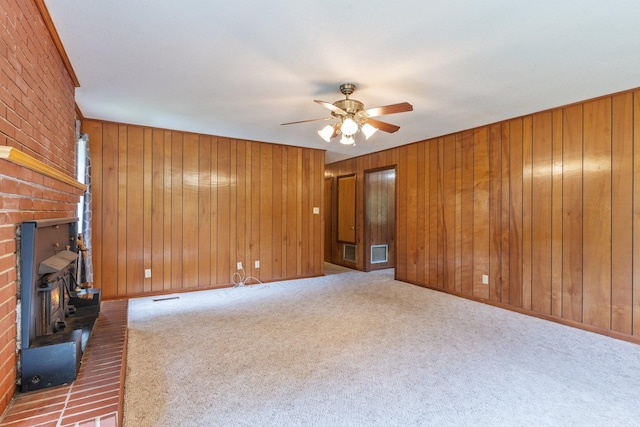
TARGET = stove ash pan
x,y
52,333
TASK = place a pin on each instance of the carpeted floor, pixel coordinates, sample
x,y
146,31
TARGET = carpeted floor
x,y
360,349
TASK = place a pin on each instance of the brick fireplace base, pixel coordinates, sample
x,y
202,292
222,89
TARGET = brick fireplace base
x,y
95,398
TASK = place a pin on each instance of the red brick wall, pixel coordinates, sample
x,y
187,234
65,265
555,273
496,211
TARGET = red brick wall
x,y
37,114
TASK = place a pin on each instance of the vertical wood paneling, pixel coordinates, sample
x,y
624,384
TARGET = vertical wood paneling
x,y
622,213
233,208
223,263
292,204
421,214
190,206
546,203
277,212
240,244
412,210
541,211
480,217
466,214
427,214
177,201
505,213
147,204
190,190
440,212
121,230
433,213
248,207
284,239
266,211
133,218
515,211
527,207
636,214
448,212
597,213
459,260
299,209
167,214
204,211
572,214
556,217
214,210
401,214
495,211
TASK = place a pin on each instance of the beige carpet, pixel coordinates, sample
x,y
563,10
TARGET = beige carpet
x,y
360,349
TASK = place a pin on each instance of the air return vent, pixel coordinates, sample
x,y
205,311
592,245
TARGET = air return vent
x,y
349,253
379,254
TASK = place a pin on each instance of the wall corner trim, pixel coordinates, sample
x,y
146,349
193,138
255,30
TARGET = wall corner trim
x,y
18,157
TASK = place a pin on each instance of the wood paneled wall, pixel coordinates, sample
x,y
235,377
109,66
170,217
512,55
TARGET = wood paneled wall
x,y
544,205
190,206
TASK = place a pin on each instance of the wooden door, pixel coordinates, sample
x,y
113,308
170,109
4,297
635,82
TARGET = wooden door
x,y
347,209
380,219
328,184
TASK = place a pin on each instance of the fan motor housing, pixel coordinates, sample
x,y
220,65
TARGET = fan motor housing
x,y
351,106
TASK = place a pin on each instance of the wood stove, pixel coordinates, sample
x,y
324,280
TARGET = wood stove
x,y
56,314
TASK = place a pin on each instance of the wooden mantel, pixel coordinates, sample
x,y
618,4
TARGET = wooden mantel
x,y
18,157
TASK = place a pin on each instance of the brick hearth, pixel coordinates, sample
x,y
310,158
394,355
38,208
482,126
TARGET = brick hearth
x,y
95,398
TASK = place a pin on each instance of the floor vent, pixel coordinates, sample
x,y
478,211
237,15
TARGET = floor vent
x,y
379,254
349,253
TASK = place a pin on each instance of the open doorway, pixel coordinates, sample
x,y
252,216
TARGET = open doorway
x,y
380,218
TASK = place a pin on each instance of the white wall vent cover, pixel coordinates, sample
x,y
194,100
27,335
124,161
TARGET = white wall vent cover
x,y
379,254
349,253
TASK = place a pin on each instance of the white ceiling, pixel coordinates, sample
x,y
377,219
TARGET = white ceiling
x,y
240,68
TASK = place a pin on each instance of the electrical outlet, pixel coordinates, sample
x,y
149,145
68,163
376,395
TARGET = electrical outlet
x,y
239,266
147,273
485,279
257,263
316,210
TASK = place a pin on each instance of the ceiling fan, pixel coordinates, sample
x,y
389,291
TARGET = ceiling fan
x,y
353,118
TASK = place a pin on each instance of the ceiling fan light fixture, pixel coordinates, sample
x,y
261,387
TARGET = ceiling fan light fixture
x,y
326,133
349,126
347,139
368,130
351,117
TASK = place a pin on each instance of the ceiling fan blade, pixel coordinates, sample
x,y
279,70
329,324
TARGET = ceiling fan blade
x,y
305,121
332,107
386,127
389,109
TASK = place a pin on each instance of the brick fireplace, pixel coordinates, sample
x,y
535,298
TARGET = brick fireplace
x,y
37,119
